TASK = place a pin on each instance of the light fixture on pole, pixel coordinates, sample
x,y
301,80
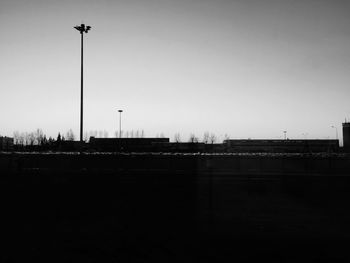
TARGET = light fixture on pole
x,y
120,123
82,29
285,135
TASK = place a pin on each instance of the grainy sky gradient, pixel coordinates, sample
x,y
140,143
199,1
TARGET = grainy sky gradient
x,y
247,68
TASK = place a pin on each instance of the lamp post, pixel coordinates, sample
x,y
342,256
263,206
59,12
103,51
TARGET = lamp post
x,y
336,131
82,29
120,123
285,135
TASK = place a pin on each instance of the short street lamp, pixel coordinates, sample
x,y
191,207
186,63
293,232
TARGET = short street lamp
x,y
82,29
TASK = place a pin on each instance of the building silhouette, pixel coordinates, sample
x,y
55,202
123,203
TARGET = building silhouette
x,y
6,143
228,146
282,146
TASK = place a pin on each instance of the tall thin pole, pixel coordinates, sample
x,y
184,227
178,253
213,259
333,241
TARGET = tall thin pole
x,y
120,129
81,92
82,28
120,123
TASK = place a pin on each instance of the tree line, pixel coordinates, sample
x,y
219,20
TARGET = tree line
x,y
38,137
207,138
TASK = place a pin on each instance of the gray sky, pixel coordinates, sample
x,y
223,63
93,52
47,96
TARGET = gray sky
x,y
246,68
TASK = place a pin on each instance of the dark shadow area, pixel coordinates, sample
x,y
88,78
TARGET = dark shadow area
x,y
131,208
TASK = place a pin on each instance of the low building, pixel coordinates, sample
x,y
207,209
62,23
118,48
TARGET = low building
x,y
182,147
6,143
282,146
126,144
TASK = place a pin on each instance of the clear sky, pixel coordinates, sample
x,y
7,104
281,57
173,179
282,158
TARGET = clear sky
x,y
246,68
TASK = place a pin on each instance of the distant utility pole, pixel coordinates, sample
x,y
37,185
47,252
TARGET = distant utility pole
x,y
120,123
82,29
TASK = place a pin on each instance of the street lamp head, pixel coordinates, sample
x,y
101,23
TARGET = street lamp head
x,y
78,28
120,110
82,28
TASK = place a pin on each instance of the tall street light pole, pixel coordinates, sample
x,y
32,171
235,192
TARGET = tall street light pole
x,y
120,123
82,29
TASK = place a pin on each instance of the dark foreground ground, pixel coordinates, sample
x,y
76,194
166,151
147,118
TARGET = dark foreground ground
x,y
172,211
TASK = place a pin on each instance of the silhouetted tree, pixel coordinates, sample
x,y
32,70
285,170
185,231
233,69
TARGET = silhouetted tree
x,y
177,137
51,141
16,137
70,135
25,138
38,136
44,141
212,138
31,138
193,138
206,137
131,134
59,138
22,138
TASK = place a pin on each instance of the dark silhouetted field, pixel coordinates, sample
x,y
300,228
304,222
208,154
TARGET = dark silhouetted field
x,y
174,208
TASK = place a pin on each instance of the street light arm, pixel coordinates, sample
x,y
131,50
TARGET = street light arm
x,y
79,28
